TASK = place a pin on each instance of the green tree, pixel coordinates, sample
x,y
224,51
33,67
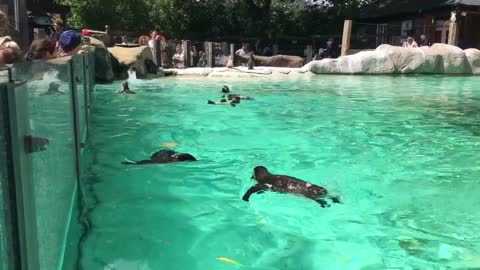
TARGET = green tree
x,y
214,18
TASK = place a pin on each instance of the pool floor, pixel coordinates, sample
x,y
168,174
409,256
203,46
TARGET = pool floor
x,y
402,153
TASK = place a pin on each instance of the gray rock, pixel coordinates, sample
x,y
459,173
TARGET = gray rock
x,y
103,62
132,57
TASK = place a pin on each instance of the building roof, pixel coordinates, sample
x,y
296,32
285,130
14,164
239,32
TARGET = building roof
x,y
390,8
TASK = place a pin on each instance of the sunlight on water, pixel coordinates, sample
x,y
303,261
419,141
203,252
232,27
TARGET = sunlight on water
x,y
402,152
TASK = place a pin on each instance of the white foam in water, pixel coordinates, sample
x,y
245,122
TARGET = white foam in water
x,y
132,75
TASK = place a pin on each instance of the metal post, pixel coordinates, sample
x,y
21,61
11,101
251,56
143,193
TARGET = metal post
x,y
86,89
210,55
347,34
187,52
76,122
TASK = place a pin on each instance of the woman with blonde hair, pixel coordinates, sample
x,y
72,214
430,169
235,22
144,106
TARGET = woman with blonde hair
x,y
143,40
9,51
42,49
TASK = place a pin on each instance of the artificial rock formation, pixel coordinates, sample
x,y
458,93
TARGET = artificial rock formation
x,y
103,63
137,58
386,59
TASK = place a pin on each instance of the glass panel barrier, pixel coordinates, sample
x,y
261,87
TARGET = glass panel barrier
x,y
5,242
79,76
50,113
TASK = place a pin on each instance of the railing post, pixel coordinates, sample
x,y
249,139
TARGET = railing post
x,y
186,53
309,54
232,53
210,55
157,53
347,34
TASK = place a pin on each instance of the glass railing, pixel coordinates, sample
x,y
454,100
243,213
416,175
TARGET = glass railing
x,y
6,233
49,106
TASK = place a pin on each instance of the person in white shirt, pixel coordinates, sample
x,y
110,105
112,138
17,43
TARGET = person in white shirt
x,y
178,57
410,43
153,35
243,51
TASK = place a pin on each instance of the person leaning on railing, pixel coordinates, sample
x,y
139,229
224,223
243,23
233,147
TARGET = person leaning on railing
x,y
70,43
42,49
9,51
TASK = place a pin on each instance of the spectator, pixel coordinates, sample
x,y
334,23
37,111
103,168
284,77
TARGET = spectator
x,y
58,27
193,55
178,58
70,42
220,58
42,49
202,61
153,35
410,43
244,50
331,50
143,40
267,51
9,51
424,41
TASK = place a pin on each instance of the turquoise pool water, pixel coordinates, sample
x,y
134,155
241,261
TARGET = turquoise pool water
x,y
402,152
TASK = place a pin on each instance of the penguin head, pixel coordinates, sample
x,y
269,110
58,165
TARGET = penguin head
x,y
259,173
225,89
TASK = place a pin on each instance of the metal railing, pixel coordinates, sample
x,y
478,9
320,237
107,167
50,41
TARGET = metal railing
x,y
44,118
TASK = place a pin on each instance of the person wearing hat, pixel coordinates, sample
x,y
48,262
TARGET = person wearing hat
x,y
70,42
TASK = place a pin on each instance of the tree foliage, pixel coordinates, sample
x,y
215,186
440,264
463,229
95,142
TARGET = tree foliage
x,y
215,18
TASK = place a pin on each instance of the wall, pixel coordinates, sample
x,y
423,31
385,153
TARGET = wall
x,y
471,32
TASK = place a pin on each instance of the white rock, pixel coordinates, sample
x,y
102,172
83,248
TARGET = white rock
x,y
473,58
386,59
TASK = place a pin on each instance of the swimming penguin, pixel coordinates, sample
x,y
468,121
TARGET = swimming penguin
x,y
53,89
287,184
126,89
226,91
163,156
233,103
